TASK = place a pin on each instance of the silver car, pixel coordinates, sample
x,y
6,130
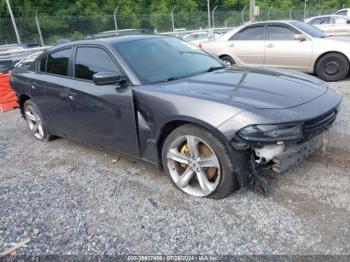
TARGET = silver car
x,y
286,44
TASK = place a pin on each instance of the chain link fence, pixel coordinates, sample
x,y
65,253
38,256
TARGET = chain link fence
x,y
54,28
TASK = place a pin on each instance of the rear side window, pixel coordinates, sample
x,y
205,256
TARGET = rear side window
x,y
57,62
92,60
280,33
251,33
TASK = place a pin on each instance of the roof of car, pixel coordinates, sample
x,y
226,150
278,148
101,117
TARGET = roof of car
x,y
273,22
332,15
107,40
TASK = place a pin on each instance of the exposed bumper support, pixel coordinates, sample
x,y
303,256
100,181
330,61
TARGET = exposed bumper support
x,y
296,154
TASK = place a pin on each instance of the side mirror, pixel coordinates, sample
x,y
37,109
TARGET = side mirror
x,y
300,37
107,78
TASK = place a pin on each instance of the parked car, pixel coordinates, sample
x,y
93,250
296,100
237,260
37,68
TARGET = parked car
x,y
27,61
211,128
344,12
331,24
286,44
10,55
199,37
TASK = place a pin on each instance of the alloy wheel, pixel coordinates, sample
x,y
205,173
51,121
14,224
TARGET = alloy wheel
x,y
193,166
34,122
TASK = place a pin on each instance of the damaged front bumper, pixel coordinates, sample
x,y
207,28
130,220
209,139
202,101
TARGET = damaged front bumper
x,y
281,157
297,153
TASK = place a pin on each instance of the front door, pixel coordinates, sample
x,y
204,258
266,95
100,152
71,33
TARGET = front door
x,y
283,50
103,115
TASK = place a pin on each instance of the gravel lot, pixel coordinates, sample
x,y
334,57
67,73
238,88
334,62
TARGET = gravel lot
x,y
82,200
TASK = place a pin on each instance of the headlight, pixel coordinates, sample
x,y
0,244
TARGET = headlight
x,y
271,133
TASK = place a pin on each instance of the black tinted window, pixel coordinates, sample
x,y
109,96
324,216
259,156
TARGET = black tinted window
x,y
91,60
42,64
57,63
251,33
280,33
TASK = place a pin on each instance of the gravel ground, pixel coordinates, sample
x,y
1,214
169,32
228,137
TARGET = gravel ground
x,y
81,200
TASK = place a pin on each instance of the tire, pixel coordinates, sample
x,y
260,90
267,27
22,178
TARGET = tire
x,y
221,179
35,121
332,67
227,58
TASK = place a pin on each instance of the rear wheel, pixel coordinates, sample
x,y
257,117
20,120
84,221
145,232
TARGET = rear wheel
x,y
228,59
35,121
332,67
197,163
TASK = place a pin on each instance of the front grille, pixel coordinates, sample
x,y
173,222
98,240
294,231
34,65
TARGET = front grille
x,y
319,123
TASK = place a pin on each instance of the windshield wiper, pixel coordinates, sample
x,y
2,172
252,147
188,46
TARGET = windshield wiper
x,y
213,68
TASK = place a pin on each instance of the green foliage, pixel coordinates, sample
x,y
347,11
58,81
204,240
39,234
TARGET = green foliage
x,y
76,19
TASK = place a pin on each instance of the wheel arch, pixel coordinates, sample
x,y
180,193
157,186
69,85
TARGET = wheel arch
x,y
221,56
21,100
171,125
326,53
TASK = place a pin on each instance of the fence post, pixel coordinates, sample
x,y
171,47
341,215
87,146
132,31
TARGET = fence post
x,y
213,16
268,13
38,27
320,13
115,19
291,13
172,18
13,21
244,8
308,11
305,7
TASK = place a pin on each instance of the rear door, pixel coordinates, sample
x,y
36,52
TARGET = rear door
x,y
102,115
49,90
282,50
247,46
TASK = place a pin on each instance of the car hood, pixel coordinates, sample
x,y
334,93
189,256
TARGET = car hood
x,y
260,88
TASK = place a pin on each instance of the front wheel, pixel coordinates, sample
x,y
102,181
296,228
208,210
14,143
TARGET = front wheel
x,y
332,67
198,163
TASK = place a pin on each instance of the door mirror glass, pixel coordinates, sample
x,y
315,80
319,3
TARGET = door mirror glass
x,y
300,37
107,78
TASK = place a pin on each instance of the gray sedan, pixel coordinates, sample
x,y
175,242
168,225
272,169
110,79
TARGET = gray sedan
x,y
212,129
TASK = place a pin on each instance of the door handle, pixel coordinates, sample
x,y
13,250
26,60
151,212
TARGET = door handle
x,y
72,96
270,45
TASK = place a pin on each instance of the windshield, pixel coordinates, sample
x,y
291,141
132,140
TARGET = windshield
x,y
162,59
309,29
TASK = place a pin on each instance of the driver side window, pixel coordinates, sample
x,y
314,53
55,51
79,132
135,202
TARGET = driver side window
x,y
92,60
